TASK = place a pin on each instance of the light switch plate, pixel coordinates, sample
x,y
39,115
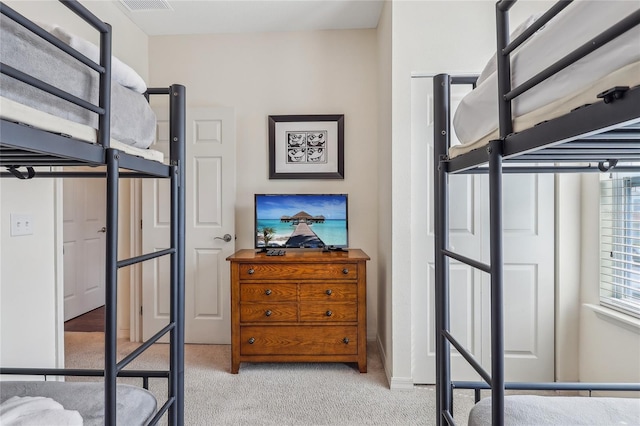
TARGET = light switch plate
x,y
21,224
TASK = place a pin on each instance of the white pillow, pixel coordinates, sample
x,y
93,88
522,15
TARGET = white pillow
x,y
491,66
120,72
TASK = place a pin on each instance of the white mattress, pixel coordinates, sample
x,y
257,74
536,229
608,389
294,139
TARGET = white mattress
x,y
476,119
560,410
19,113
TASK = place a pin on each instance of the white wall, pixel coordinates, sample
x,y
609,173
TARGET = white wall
x,y
568,252
30,325
31,277
609,350
385,223
319,72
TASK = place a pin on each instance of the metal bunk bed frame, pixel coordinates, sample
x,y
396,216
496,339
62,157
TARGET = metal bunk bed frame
x,y
23,146
601,134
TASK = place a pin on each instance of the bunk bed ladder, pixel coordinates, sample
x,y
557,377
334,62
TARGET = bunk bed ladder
x,y
442,131
175,399
496,380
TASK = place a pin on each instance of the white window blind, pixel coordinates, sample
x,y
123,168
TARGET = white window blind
x,y
620,243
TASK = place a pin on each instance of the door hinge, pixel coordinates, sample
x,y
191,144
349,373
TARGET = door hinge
x,y
140,310
140,223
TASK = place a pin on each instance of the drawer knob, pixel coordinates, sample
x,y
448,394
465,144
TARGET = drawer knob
x,y
329,313
345,340
345,271
268,292
329,292
251,271
268,312
251,340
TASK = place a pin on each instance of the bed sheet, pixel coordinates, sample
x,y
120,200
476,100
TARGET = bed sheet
x,y
132,119
476,118
136,406
19,113
560,410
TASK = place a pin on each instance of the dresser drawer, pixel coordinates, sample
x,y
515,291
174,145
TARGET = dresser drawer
x,y
329,292
292,340
268,292
268,312
298,271
328,312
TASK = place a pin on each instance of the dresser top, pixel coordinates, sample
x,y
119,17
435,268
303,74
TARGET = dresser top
x,y
298,255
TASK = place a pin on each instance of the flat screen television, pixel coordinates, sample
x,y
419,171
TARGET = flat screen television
x,y
301,221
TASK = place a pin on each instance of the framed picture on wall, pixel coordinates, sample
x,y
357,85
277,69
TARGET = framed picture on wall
x,y
306,146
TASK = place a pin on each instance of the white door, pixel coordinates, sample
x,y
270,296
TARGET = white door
x,y
529,277
84,211
210,215
529,261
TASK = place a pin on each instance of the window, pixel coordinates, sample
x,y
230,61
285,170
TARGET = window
x,y
620,243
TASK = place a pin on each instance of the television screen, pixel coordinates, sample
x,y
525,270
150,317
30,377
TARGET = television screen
x,y
301,220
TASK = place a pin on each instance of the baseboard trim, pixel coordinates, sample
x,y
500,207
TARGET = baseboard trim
x,y
383,359
395,383
402,384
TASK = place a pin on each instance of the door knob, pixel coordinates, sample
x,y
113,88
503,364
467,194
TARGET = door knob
x,y
226,238
103,229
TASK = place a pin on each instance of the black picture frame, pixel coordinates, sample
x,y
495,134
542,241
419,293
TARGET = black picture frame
x,y
306,146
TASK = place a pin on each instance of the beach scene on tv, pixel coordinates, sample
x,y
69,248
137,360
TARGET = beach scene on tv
x,y
301,221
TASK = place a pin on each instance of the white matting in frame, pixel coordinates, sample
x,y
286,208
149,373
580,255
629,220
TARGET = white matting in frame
x,y
306,147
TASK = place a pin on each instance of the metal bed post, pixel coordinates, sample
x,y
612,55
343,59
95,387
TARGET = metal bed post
x,y
505,125
503,66
497,302
104,88
111,290
174,347
111,273
441,119
177,96
104,97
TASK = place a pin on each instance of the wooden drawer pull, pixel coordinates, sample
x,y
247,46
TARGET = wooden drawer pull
x,y
252,340
329,292
268,313
345,271
345,340
268,292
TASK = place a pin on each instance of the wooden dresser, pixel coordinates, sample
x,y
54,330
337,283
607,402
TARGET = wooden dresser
x,y
304,306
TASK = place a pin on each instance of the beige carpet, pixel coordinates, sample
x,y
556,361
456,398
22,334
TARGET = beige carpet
x,y
277,394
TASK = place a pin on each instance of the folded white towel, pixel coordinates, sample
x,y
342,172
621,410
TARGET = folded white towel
x,y
36,411
120,72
